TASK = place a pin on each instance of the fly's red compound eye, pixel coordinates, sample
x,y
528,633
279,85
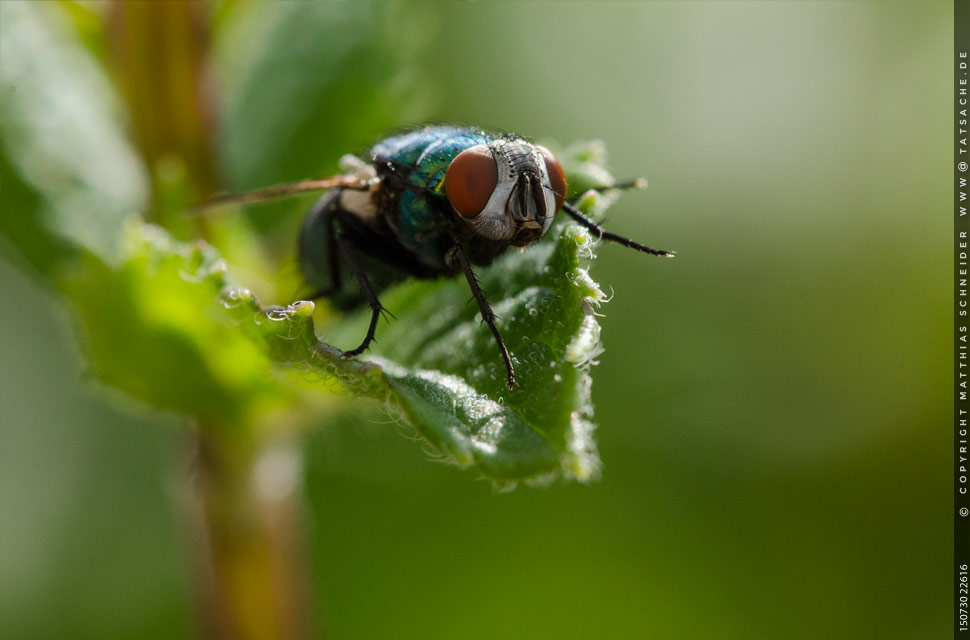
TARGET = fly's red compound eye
x,y
557,179
470,180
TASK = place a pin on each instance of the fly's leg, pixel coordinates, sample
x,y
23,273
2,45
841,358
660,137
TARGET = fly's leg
x,y
346,249
623,185
487,316
582,219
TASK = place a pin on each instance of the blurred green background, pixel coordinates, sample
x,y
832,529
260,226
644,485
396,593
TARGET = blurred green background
x,y
772,405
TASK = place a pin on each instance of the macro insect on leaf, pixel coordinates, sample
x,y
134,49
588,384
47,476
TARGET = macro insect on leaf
x,y
432,202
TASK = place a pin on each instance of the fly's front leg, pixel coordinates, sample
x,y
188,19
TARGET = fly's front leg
x,y
346,249
486,310
582,219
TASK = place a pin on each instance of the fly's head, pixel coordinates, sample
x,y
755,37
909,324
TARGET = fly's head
x,y
508,189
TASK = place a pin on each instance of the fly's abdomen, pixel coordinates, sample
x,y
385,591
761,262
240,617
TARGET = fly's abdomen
x,y
325,267
420,228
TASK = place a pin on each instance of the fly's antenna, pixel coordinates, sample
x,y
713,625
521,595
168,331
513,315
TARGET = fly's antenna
x,y
283,191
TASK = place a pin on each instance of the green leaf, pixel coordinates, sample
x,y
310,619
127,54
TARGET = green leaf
x,y
69,175
306,82
153,329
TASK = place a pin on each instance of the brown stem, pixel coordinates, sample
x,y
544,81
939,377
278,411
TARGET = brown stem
x,y
247,517
246,510
159,53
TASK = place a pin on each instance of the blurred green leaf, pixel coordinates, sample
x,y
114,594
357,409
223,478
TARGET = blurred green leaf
x,y
153,330
69,174
281,125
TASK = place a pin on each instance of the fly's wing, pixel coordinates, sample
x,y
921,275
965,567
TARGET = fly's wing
x,y
289,189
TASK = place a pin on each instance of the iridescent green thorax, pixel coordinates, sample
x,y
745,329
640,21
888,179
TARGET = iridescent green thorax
x,y
422,157
412,168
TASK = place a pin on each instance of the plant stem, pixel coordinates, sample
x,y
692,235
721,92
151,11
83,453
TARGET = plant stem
x,y
160,60
248,518
246,507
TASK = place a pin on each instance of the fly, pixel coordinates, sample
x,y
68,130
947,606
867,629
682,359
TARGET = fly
x,y
428,203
